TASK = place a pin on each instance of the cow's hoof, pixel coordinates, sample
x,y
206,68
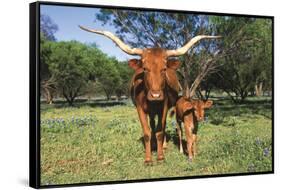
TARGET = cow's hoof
x,y
160,158
148,162
190,159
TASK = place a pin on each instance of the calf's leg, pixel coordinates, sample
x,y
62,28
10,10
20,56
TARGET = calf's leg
x,y
194,138
179,130
188,132
194,145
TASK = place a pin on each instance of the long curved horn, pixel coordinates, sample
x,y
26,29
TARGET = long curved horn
x,y
122,45
188,45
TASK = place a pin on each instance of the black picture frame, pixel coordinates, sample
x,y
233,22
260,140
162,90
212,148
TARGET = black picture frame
x,y
34,94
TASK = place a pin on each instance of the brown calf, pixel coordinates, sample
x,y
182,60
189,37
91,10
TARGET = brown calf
x,y
190,112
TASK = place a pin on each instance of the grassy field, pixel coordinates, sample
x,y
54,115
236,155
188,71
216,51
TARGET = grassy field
x,y
100,142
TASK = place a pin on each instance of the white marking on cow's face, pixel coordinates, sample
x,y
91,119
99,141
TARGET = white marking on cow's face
x,y
155,95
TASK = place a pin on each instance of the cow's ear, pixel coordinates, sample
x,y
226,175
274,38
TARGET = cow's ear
x,y
134,64
173,64
172,79
187,105
208,104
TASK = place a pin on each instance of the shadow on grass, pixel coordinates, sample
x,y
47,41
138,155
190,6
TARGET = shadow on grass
x,y
170,137
224,108
82,103
153,143
224,111
173,137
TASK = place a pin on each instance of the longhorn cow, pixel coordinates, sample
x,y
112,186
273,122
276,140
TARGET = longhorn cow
x,y
154,87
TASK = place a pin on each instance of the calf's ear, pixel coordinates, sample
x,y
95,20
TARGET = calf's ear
x,y
173,64
208,104
187,106
134,64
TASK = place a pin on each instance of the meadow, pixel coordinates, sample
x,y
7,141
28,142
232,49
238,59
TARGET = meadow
x,y
96,141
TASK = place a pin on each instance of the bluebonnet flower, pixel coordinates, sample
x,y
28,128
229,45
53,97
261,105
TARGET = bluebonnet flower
x,y
266,152
173,123
206,119
251,167
258,141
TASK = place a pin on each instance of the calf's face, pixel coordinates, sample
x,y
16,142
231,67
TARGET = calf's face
x,y
198,106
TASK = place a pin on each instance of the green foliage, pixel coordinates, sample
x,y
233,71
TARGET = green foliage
x,y
45,52
110,77
125,74
78,68
245,49
87,144
248,59
152,29
71,67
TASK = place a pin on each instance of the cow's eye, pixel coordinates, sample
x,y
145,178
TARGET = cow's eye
x,y
145,70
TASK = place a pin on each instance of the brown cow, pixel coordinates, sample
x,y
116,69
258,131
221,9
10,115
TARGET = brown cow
x,y
190,112
154,86
162,96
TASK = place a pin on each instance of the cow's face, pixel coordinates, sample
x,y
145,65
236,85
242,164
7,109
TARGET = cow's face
x,y
199,107
156,69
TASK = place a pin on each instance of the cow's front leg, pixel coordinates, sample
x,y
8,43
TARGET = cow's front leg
x,y
161,132
146,134
165,145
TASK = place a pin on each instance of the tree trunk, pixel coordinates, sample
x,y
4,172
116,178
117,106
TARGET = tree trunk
x,y
199,94
48,95
207,94
107,94
258,89
68,99
186,90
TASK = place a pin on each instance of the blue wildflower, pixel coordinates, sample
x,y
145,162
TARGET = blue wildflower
x,y
206,119
266,152
251,167
173,123
258,141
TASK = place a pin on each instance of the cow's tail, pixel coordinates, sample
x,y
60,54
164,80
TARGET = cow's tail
x,y
172,113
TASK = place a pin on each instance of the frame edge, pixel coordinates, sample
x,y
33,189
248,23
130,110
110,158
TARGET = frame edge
x,y
34,135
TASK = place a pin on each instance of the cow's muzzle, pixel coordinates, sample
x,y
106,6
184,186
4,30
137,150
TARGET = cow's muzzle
x,y
155,95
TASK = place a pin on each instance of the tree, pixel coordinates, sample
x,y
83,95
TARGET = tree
x,y
48,82
72,64
48,27
170,31
109,77
248,62
47,79
125,74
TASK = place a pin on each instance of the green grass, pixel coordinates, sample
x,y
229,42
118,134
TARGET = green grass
x,y
89,143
